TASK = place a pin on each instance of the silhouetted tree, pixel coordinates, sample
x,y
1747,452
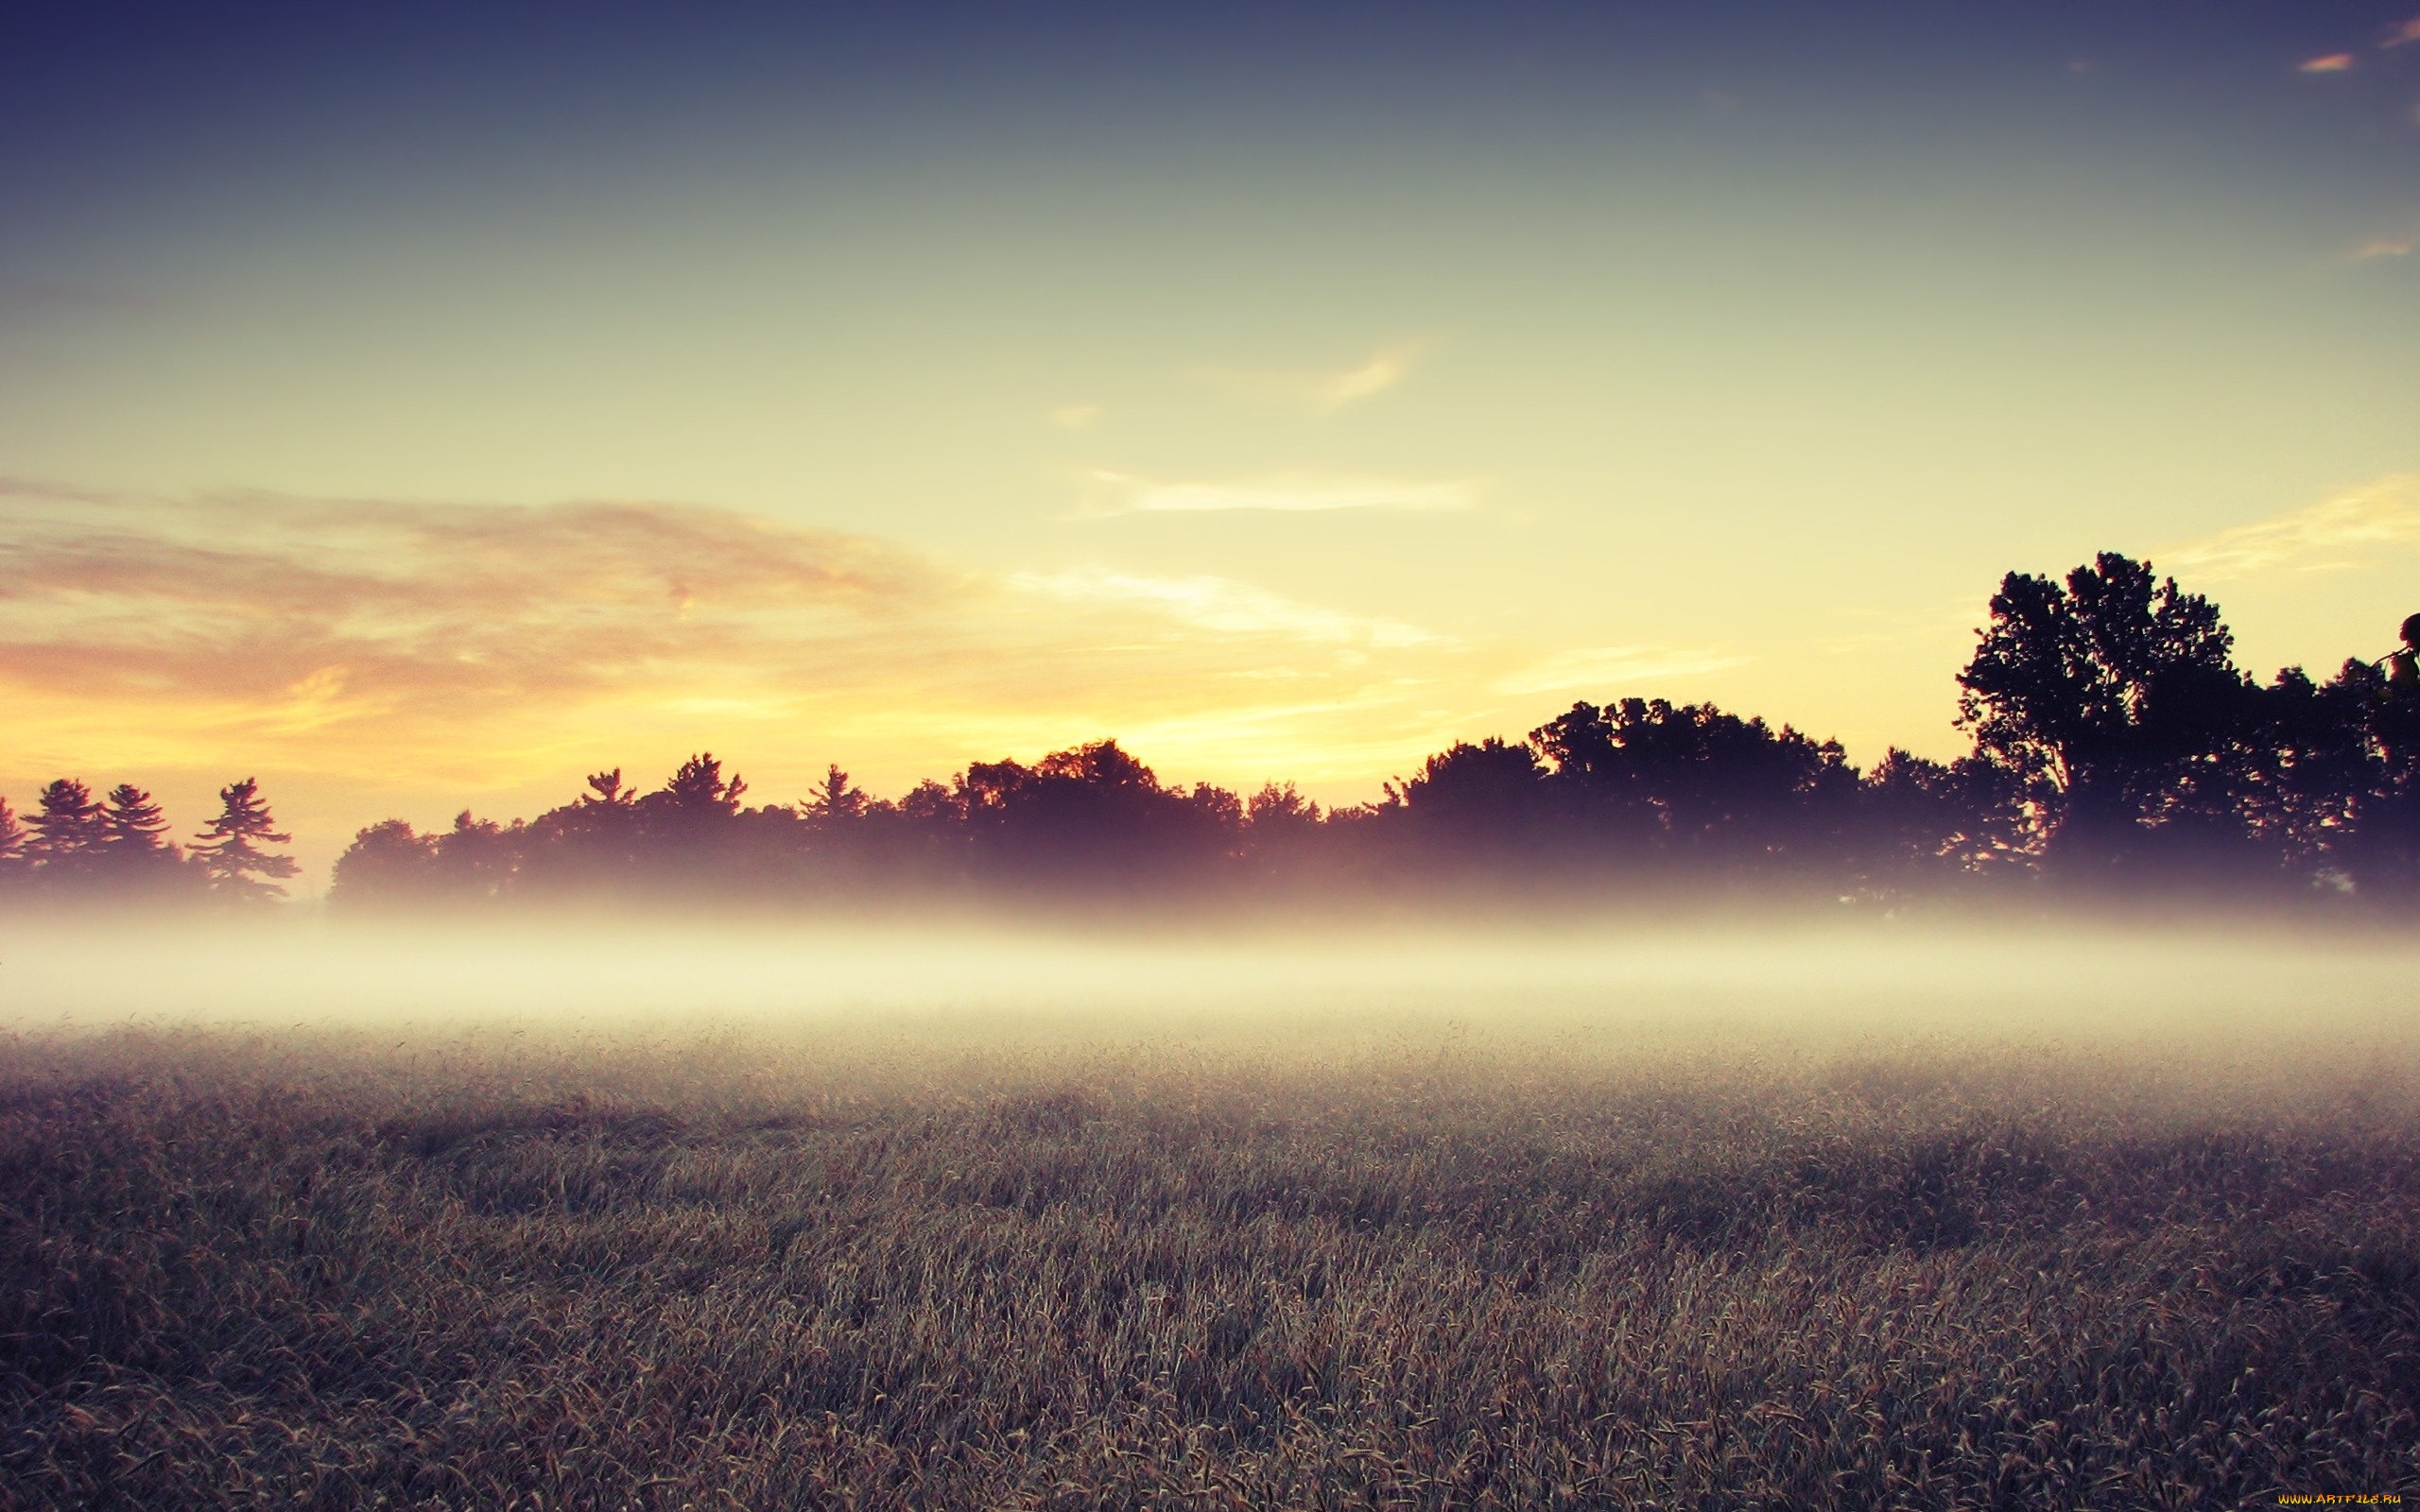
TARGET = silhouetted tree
x,y
932,803
1284,835
834,799
229,850
589,844
1698,784
1921,823
686,831
69,831
698,791
605,791
135,851
1475,802
1092,817
135,823
919,843
927,831
2310,762
12,845
1277,809
476,859
2114,701
388,863
2376,839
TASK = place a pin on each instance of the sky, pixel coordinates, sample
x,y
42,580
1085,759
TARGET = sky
x,y
424,407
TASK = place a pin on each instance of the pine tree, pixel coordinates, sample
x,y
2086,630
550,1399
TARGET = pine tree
x,y
225,850
834,799
13,843
699,791
605,791
68,831
136,834
135,851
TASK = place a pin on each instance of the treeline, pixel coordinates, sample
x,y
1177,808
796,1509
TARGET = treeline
x,y
72,844
2116,745
1673,794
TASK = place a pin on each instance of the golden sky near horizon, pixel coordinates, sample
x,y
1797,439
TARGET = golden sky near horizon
x,y
426,438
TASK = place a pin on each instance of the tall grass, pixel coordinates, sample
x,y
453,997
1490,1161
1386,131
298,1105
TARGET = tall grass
x,y
315,1272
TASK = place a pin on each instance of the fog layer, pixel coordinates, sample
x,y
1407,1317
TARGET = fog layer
x,y
2237,992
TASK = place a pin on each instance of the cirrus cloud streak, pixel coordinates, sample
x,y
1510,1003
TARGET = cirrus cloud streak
x,y
2349,530
1282,493
1320,392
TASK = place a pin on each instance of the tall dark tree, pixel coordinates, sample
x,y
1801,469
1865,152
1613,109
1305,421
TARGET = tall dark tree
x,y
1478,799
69,831
686,832
698,791
606,791
2115,701
1281,808
136,851
388,862
1920,822
1091,816
2313,762
229,852
834,799
13,843
135,821
2376,839
1697,784
477,857
1282,830
933,803
590,843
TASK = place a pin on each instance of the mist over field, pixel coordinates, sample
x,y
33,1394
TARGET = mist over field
x,y
1746,985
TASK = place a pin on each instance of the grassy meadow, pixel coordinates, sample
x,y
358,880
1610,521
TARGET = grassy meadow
x,y
904,1269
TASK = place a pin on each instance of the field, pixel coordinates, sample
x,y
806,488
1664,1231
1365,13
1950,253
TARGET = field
x,y
910,1266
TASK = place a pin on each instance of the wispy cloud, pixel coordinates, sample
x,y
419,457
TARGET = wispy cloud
x,y
2338,533
1284,493
2407,32
1321,391
449,647
2325,64
1617,669
2383,246
1075,417
1223,604
280,616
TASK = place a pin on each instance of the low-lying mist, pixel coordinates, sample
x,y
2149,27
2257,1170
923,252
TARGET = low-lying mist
x,y
2261,992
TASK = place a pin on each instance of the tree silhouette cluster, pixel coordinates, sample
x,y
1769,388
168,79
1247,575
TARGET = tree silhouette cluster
x,y
2112,706
2116,744
72,844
